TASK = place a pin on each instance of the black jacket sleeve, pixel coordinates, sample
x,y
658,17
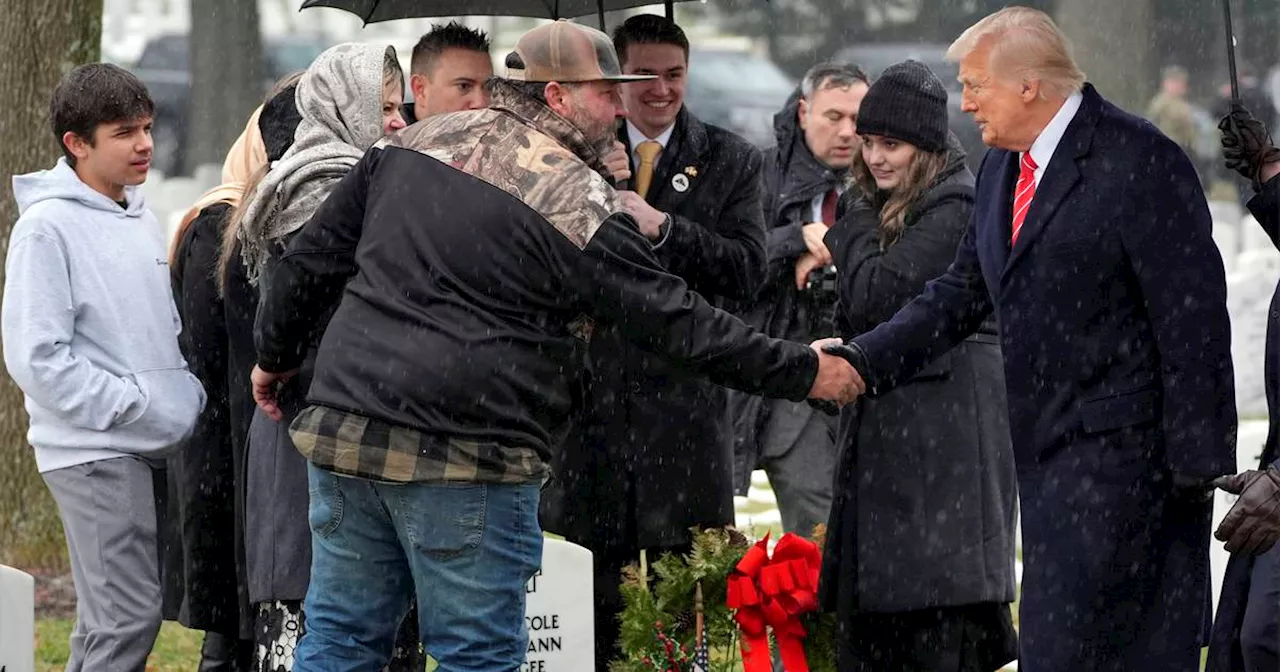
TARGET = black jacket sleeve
x,y
729,261
1265,207
951,308
785,243
875,283
1170,246
784,240
309,277
618,280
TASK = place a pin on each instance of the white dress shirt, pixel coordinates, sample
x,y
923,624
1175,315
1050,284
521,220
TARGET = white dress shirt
x,y
1043,148
815,206
635,136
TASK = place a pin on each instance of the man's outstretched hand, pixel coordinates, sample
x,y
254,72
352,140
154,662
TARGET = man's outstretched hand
x,y
264,390
1252,526
838,382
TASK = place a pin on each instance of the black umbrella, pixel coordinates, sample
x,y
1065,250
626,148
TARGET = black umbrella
x,y
373,11
1231,52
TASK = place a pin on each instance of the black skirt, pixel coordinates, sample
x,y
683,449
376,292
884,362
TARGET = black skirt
x,y
970,638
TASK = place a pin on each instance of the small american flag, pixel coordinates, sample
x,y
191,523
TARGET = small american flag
x,y
701,660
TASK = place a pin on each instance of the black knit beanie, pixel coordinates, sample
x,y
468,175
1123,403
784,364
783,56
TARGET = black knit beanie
x,y
908,103
277,122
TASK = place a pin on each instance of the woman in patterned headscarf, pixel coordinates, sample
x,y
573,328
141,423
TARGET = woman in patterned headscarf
x,y
349,98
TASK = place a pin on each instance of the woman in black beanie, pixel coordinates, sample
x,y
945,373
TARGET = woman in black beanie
x,y
919,557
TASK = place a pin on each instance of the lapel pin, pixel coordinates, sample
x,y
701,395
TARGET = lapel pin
x,y
691,171
680,183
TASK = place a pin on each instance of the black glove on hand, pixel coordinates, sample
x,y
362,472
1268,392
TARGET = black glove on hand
x,y
1252,526
1246,144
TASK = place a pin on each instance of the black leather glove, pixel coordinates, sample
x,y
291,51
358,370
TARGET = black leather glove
x,y
1246,144
856,358
1252,526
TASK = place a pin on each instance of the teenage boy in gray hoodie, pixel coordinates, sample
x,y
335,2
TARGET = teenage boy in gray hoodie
x,y
90,335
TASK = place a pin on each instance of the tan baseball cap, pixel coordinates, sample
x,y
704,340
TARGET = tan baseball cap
x,y
563,51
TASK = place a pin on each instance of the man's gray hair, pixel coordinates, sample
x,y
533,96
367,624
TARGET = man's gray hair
x,y
831,75
1025,44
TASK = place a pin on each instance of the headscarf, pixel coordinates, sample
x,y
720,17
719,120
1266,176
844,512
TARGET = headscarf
x,y
340,100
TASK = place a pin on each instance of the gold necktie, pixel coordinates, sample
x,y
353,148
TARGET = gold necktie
x,y
648,153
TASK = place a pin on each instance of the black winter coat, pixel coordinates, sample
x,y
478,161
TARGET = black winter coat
x,y
205,555
926,497
1224,646
790,179
651,454
277,532
270,539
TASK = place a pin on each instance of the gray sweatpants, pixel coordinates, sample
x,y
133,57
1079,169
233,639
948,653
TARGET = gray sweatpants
x,y
108,513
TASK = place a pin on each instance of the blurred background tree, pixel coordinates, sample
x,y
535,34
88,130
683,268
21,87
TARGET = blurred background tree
x,y
39,42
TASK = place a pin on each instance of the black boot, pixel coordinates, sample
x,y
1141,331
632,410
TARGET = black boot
x,y
222,653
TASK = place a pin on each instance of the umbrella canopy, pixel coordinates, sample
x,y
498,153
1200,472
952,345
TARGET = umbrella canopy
x,y
373,11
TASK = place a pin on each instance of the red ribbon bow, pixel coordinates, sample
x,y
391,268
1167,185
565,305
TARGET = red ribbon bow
x,y
774,592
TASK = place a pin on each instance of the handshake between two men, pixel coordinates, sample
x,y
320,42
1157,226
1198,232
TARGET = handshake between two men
x,y
1251,527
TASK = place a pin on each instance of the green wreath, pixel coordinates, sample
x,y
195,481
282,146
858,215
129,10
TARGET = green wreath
x,y
665,612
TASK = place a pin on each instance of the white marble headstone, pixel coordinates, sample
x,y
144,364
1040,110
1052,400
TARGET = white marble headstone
x,y
17,621
558,611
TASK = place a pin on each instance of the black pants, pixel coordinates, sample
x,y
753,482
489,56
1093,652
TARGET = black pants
x,y
971,638
1260,631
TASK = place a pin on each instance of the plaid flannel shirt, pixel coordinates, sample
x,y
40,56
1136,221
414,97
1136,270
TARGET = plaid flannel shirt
x,y
352,444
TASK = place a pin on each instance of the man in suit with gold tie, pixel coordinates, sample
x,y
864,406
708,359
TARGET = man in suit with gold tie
x,y
651,453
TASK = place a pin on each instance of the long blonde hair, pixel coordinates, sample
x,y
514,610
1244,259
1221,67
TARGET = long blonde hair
x,y
230,233
921,175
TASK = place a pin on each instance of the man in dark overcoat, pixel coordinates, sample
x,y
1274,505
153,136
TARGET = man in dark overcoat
x,y
1090,242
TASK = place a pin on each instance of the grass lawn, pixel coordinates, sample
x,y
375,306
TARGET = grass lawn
x,y
177,648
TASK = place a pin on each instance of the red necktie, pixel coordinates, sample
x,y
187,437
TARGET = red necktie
x,y
829,208
1026,191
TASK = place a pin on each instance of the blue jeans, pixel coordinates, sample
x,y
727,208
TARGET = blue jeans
x,y
466,549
